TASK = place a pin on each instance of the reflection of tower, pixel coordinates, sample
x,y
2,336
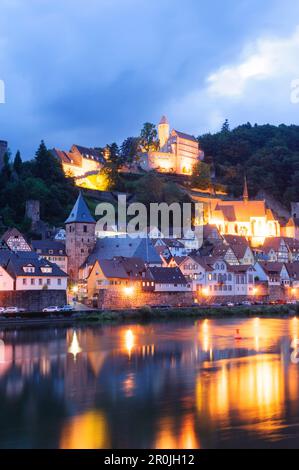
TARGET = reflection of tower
x,y
163,131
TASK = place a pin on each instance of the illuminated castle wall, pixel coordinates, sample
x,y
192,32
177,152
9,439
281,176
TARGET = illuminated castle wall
x,y
178,152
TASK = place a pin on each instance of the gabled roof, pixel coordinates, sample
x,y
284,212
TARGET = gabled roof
x,y
88,152
239,245
273,243
182,135
80,212
122,268
15,263
49,247
68,158
272,267
12,232
241,268
167,275
292,244
293,222
240,211
172,243
128,247
293,269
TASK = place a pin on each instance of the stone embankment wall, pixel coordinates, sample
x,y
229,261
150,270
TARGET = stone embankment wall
x,y
32,301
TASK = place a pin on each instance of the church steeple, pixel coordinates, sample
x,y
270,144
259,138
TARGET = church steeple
x,y
245,192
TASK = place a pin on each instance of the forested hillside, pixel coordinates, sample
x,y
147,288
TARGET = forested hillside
x,y
268,155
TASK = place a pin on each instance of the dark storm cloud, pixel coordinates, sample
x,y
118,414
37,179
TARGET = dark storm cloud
x,y
93,72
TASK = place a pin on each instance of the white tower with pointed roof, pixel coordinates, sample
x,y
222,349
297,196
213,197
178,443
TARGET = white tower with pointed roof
x,y
163,131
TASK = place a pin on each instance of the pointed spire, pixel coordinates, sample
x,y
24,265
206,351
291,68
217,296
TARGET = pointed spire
x,y
164,120
245,192
80,212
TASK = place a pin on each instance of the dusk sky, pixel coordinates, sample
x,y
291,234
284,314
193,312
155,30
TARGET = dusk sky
x,y
92,72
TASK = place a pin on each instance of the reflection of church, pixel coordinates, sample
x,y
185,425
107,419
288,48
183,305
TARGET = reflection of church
x,y
251,219
178,152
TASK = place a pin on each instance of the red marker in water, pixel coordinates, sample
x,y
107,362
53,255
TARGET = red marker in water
x,y
238,336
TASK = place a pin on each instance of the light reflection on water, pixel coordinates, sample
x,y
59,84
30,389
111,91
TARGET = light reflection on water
x,y
163,385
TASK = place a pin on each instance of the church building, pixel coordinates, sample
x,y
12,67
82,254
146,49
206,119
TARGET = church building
x,y
250,219
178,152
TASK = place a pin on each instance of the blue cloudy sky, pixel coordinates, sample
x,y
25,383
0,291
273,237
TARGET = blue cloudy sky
x,y
93,71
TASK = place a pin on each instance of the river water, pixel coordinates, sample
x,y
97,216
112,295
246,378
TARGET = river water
x,y
166,385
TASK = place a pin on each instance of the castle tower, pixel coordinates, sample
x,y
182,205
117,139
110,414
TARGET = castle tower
x,y
32,212
245,192
80,237
163,131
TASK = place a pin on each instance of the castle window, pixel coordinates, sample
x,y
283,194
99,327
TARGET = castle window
x,y
82,250
48,282
59,282
32,282
85,229
40,282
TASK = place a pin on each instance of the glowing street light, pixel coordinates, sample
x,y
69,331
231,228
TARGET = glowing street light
x,y
129,291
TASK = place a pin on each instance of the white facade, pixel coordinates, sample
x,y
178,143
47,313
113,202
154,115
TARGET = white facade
x,y
40,283
6,281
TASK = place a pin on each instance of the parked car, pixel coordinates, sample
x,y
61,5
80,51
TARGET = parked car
x,y
292,302
51,309
11,310
246,302
230,304
66,308
2,310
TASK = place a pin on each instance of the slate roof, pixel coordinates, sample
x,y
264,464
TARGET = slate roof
x,y
88,152
292,244
111,247
14,263
122,268
293,269
67,157
182,135
273,243
271,268
80,212
167,275
49,247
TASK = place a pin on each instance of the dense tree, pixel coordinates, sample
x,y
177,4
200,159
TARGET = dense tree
x,y
129,149
41,178
201,176
225,126
269,155
17,164
149,137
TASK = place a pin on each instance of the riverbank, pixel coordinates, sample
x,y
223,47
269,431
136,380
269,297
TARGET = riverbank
x,y
149,314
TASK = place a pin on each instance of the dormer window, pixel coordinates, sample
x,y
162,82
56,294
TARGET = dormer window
x,y
46,269
29,268
51,252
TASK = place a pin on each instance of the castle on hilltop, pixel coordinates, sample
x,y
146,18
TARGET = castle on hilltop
x,y
178,152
